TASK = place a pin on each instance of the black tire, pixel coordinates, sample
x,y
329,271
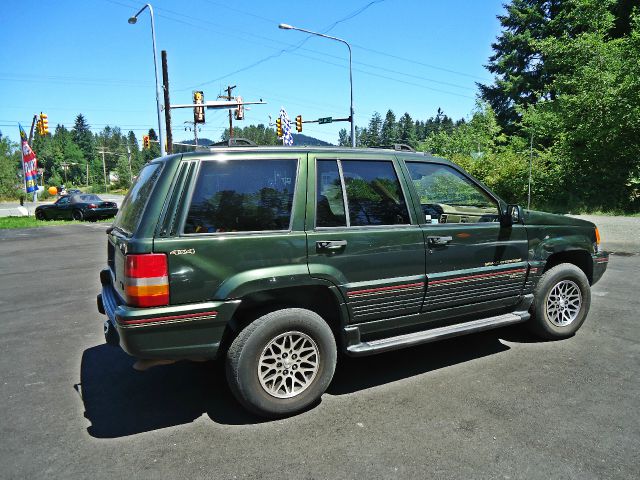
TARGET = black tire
x,y
40,215
555,319
246,350
77,215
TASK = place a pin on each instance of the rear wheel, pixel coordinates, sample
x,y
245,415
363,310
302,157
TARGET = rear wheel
x,y
77,215
561,303
282,362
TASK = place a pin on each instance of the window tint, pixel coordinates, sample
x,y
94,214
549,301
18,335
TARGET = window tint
x,y
85,198
133,204
447,196
62,201
329,199
374,195
242,196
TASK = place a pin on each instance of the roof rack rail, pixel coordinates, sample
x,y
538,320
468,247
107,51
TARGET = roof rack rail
x,y
398,147
235,142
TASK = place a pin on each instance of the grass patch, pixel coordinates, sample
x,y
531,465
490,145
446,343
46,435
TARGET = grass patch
x,y
33,222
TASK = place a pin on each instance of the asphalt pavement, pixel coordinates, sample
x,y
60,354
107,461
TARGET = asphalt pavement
x,y
494,405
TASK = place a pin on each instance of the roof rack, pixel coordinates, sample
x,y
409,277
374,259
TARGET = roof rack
x,y
398,147
234,142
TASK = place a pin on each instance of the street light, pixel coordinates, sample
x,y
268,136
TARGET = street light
x,y
284,26
132,21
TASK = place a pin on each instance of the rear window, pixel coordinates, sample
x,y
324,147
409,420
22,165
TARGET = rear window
x,y
242,196
85,198
130,212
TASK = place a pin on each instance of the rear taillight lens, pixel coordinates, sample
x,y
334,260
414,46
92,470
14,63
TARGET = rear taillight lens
x,y
92,206
146,280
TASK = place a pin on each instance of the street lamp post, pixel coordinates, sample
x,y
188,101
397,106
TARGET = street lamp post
x,y
132,21
284,26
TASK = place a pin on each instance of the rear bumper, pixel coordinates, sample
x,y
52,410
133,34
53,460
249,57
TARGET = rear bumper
x,y
100,212
600,262
171,332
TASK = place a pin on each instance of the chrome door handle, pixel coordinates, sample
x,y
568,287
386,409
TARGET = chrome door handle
x,y
331,245
433,241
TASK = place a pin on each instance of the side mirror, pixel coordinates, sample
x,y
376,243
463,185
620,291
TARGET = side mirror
x,y
512,214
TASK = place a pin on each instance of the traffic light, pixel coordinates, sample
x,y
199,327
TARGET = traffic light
x,y
198,112
44,123
145,142
299,123
279,127
39,127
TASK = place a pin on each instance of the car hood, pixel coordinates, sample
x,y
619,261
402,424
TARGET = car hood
x,y
533,217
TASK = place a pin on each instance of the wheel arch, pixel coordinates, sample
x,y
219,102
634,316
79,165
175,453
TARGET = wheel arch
x,y
579,258
322,299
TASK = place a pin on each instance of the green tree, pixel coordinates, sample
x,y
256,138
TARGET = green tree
x,y
407,130
10,158
593,122
374,130
343,138
389,131
83,138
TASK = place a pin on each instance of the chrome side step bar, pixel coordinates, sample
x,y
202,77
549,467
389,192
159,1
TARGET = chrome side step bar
x,y
432,335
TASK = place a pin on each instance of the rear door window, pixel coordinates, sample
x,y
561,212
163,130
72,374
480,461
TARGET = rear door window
x,y
242,196
374,194
133,205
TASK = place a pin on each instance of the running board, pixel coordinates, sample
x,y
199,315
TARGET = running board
x,y
441,333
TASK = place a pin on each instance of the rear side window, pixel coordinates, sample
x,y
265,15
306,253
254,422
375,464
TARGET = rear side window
x,y
374,194
242,196
130,212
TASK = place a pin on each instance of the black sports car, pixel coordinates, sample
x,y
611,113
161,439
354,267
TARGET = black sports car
x,y
80,206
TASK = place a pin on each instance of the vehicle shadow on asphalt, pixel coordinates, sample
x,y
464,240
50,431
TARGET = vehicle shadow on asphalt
x,y
354,374
120,401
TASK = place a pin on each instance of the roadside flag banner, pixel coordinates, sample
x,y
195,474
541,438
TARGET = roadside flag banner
x,y
287,137
29,163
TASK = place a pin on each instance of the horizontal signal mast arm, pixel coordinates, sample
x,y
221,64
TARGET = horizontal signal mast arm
x,y
218,104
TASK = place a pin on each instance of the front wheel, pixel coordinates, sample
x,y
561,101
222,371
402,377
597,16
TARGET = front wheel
x,y
40,215
282,362
77,215
561,302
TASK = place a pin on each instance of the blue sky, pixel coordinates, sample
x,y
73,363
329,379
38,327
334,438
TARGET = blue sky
x,y
68,57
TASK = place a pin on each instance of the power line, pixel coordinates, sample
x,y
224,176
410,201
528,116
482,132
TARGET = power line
x,y
293,47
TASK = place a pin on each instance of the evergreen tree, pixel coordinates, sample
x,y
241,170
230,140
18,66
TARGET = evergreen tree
x,y
524,75
389,130
83,138
343,138
374,130
407,130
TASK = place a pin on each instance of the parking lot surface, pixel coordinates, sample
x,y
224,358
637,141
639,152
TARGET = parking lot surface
x,y
493,405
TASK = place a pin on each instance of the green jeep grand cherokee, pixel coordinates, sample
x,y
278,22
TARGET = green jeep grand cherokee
x,y
273,259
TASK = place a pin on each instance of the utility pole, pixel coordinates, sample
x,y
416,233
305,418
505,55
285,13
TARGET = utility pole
x,y
229,98
167,105
104,169
33,124
129,154
195,130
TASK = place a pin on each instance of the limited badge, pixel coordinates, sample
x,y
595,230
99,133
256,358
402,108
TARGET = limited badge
x,y
189,251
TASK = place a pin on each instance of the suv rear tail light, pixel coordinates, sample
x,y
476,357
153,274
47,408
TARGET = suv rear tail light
x,y
146,280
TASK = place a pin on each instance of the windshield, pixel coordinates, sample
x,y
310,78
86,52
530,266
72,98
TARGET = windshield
x,y
134,203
